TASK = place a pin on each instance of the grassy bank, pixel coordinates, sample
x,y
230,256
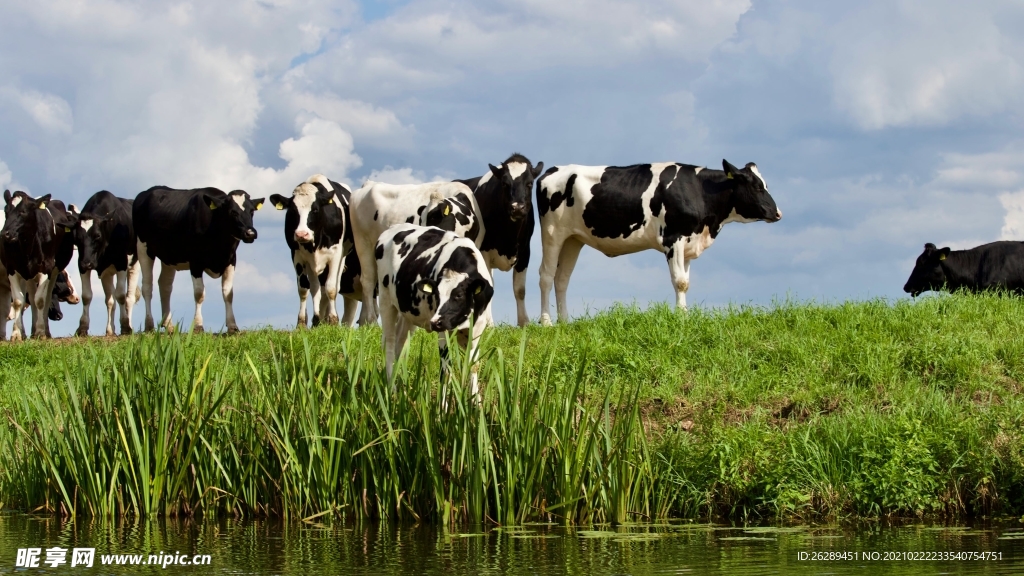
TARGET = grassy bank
x,y
795,410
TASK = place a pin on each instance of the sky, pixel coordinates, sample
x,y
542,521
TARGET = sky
x,y
878,125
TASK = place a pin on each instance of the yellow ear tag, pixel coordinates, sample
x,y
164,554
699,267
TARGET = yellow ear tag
x,y
447,209
279,206
479,289
330,200
728,175
260,205
212,206
428,289
42,205
942,256
66,229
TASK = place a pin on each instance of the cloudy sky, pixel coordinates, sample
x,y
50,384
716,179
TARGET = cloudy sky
x,y
878,125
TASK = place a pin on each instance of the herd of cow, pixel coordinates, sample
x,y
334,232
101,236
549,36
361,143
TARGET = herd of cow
x,y
425,252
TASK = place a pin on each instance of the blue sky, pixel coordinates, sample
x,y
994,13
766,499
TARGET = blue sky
x,y
878,126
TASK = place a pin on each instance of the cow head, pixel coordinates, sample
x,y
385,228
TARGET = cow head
x,y
92,235
515,179
27,217
306,210
750,198
459,294
235,210
928,273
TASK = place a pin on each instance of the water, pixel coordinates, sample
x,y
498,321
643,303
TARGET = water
x,y
670,548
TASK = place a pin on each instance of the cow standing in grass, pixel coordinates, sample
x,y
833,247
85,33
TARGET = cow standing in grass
x,y
504,197
676,209
106,242
994,266
317,232
433,279
34,247
378,206
196,230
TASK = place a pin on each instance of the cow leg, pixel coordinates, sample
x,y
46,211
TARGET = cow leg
x,y
314,291
389,332
679,271
166,282
566,263
107,279
83,324
368,280
474,352
519,289
17,307
300,276
334,270
199,293
351,307
5,307
43,289
442,352
227,290
131,296
146,267
551,247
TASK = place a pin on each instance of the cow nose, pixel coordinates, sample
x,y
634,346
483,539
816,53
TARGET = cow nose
x,y
437,325
88,267
303,236
249,236
778,214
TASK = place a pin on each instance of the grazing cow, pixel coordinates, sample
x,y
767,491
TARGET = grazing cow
x,y
196,230
34,247
994,266
376,207
506,209
106,242
433,279
317,232
63,291
674,208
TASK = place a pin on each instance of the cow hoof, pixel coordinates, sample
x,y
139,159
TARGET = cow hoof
x,y
82,332
332,320
126,329
149,325
545,320
316,320
109,333
232,330
197,329
16,337
301,325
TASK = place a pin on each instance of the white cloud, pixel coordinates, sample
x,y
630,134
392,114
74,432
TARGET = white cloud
x,y
917,62
1013,223
249,277
402,176
367,123
5,176
49,111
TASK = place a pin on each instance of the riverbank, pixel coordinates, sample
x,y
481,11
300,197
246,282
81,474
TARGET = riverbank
x,y
793,411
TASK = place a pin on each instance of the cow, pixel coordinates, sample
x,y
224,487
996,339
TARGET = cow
x,y
677,209
63,291
377,206
106,242
993,266
317,232
35,245
196,230
432,279
504,195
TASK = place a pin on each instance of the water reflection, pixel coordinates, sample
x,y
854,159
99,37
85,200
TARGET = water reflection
x,y
263,547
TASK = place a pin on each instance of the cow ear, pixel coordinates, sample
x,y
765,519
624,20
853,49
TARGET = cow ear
x,y
43,201
426,286
279,202
257,202
66,219
73,209
481,291
943,253
7,197
214,202
537,169
495,171
730,170
929,247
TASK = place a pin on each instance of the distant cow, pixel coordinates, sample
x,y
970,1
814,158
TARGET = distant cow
x,y
63,291
34,247
677,209
317,232
433,279
377,206
196,230
994,266
106,242
506,209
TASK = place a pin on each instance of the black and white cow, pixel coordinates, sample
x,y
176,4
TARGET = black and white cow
x,y
994,266
106,242
432,279
63,291
196,230
506,210
378,206
317,232
677,209
35,246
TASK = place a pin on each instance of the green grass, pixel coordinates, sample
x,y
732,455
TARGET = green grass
x,y
795,410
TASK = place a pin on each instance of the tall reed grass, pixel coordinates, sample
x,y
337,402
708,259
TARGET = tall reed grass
x,y
796,410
